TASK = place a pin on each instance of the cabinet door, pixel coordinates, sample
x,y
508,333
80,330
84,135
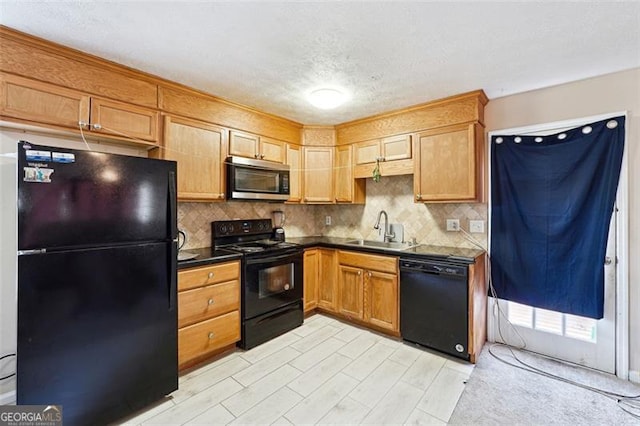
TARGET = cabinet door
x,y
350,291
310,295
294,160
448,164
244,144
327,279
123,120
38,102
197,147
381,298
318,174
343,175
367,152
272,150
395,148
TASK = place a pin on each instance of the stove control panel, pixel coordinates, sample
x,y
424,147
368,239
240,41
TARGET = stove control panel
x,y
232,228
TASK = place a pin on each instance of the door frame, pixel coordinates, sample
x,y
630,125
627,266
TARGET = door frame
x,y
622,235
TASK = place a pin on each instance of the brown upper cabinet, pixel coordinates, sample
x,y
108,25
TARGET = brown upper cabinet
x,y
347,188
385,149
294,161
198,149
318,174
449,164
249,145
42,103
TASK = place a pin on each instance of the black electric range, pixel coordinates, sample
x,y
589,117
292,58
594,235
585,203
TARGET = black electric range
x,y
272,278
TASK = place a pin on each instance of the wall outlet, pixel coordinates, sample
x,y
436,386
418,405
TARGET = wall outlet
x,y
476,226
327,220
453,224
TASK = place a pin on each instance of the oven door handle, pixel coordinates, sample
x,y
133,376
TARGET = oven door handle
x,y
253,261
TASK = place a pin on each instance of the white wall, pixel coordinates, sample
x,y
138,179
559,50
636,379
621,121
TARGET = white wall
x,y
8,232
600,95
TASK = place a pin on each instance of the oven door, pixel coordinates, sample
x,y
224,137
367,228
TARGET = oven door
x,y
271,281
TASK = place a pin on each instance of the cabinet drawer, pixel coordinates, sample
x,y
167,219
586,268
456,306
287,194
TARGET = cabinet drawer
x,y
369,261
207,275
207,302
205,337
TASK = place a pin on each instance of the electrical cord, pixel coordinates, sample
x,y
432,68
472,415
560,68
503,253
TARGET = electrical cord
x,y
631,401
10,375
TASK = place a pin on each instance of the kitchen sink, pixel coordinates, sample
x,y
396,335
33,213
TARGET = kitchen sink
x,y
381,244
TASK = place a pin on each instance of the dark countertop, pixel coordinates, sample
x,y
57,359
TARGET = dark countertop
x,y
464,255
207,255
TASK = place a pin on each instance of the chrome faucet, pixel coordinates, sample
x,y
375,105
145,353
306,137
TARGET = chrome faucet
x,y
387,235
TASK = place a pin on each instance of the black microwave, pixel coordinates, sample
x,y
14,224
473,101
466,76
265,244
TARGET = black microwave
x,y
258,180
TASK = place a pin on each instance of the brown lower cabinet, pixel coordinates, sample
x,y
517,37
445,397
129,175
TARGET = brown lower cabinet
x,y
368,289
208,311
356,286
320,279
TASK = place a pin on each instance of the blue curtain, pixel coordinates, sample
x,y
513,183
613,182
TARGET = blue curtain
x,y
552,198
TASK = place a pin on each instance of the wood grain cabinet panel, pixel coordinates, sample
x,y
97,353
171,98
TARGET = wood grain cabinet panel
x,y
449,164
208,275
272,149
208,310
367,152
198,149
318,174
368,289
310,280
244,144
48,104
395,148
39,102
207,302
294,160
347,188
351,292
381,299
120,119
328,279
206,337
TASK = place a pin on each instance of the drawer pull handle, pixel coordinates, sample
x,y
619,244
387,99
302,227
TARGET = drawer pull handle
x,y
211,335
210,275
210,302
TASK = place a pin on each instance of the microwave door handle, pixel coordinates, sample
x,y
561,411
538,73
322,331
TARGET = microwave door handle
x,y
271,259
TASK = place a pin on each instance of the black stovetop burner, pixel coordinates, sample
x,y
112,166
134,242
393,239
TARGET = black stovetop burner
x,y
246,236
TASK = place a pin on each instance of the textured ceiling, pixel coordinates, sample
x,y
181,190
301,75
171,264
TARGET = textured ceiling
x,y
386,55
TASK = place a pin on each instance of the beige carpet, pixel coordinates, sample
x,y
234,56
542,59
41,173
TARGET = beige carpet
x,y
497,393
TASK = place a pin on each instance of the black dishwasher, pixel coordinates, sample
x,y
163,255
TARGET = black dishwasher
x,y
434,305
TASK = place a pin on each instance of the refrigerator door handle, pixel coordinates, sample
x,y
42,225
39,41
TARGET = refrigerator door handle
x,y
173,275
173,221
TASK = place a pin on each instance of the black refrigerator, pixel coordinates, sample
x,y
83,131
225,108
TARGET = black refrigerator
x,y
97,260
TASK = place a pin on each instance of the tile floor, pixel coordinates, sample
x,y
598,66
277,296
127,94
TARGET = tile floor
x,y
324,372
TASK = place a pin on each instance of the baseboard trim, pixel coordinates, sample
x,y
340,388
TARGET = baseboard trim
x,y
634,376
8,398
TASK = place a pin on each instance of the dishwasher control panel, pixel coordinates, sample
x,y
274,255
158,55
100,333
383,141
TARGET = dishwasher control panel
x,y
432,267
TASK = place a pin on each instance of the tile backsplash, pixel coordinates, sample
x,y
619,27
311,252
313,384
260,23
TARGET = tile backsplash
x,y
394,194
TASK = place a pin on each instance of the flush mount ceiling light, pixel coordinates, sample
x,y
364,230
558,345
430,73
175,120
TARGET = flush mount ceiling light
x,y
327,98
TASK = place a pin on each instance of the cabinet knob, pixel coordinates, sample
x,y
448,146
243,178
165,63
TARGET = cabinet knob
x,y
210,275
221,196
255,155
211,335
369,274
210,302
261,155
418,197
96,126
359,272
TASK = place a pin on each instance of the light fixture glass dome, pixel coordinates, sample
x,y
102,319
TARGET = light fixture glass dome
x,y
327,98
